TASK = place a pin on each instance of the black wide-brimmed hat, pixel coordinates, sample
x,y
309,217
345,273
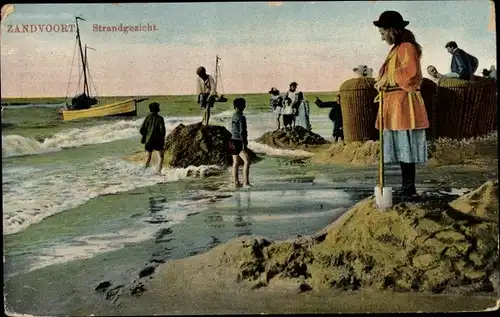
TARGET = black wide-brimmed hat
x,y
391,19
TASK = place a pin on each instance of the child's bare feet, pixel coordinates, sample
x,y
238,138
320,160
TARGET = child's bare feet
x,y
247,185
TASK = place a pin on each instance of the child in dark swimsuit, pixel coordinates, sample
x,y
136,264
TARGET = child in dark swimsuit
x,y
153,134
239,142
288,114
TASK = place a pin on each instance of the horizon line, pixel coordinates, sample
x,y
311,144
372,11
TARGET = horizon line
x,y
177,95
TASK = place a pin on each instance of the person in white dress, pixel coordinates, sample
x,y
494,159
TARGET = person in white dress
x,y
300,107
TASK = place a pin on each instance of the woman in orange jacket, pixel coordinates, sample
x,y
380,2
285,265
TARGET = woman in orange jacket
x,y
405,117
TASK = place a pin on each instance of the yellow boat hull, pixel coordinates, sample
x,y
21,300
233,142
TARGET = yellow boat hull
x,y
124,108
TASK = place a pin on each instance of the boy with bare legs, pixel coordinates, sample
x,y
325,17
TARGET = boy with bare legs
x,y
239,143
153,135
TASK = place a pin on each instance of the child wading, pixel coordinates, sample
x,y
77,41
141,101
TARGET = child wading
x,y
239,142
153,134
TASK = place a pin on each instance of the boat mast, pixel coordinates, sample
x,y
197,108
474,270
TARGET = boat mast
x,y
87,67
85,56
84,60
217,58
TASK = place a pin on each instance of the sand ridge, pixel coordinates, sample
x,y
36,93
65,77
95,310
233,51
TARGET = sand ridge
x,y
443,151
297,138
427,246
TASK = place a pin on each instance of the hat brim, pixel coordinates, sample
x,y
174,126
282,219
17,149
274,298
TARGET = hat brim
x,y
381,24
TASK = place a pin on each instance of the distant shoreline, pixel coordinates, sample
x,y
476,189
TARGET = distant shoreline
x,y
16,101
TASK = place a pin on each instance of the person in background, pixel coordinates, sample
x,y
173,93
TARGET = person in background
x,y
462,63
363,71
335,115
486,73
276,105
205,89
404,113
436,76
302,116
153,135
239,143
490,73
288,114
295,96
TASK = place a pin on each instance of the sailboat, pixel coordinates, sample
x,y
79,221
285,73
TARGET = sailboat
x,y
218,79
81,104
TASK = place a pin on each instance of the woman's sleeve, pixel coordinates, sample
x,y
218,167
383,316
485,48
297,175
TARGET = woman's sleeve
x,y
407,74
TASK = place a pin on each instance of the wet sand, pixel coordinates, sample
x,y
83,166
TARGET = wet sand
x,y
177,288
188,293
68,288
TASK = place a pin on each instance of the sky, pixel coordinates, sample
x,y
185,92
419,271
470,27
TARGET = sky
x,y
261,44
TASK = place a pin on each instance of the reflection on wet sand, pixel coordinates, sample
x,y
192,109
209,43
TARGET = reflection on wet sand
x,y
215,220
243,226
156,206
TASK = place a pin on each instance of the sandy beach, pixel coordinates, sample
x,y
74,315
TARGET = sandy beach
x,y
158,277
211,283
318,118
176,247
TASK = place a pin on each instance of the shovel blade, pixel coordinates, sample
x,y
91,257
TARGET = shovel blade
x,y
383,197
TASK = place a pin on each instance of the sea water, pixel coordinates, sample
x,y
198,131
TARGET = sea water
x,y
55,191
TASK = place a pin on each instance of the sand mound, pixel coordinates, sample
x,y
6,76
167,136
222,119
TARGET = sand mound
x,y
427,246
482,202
443,151
479,150
298,138
357,153
195,145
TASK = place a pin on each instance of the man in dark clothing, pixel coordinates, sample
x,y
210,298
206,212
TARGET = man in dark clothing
x,y
153,134
463,64
335,115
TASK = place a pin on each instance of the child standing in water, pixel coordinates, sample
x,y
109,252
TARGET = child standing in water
x,y
239,143
153,134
